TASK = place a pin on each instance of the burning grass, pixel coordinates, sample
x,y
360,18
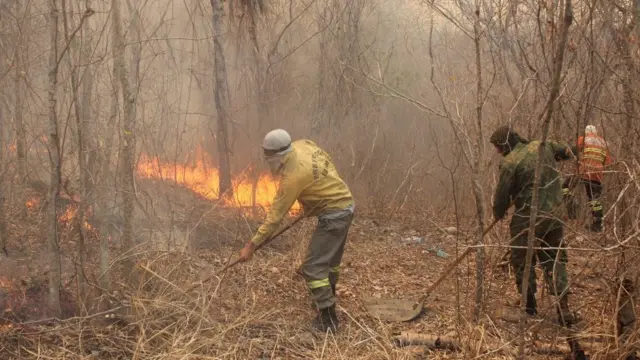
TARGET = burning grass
x,y
202,177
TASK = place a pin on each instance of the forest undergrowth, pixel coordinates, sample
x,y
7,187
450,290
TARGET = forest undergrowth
x,y
261,310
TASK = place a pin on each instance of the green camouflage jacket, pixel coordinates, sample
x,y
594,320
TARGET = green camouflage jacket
x,y
516,182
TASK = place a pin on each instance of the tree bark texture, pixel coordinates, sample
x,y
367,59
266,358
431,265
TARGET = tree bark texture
x,y
82,164
54,157
477,186
128,139
19,80
221,94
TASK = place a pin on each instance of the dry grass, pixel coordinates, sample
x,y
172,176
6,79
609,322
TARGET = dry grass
x,y
261,310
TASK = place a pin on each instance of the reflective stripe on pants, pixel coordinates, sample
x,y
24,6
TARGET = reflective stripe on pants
x,y
314,284
595,205
322,264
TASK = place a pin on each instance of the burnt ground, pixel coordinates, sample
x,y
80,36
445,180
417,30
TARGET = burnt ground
x,y
260,309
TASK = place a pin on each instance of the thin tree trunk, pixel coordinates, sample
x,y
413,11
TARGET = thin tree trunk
x,y
320,104
54,156
82,166
20,74
88,126
555,90
3,223
261,107
136,53
128,141
222,101
103,210
477,186
102,204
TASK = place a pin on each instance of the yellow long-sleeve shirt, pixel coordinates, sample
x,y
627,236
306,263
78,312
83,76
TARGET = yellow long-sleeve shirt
x,y
309,176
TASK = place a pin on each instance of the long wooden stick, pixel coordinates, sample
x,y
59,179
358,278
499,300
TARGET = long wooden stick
x,y
237,259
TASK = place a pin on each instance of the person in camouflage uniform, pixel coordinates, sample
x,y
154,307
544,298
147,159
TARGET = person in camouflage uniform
x,y
516,185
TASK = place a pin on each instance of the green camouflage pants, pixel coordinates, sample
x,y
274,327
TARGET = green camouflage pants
x,y
552,261
321,268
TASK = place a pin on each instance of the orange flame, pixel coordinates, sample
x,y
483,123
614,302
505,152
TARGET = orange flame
x,y
70,214
6,283
33,202
203,179
66,218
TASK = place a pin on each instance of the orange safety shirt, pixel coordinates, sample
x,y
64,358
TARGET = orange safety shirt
x,y
593,157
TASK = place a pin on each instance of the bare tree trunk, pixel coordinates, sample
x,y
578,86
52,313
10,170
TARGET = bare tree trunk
x,y
20,75
555,90
3,223
222,101
105,180
136,53
477,186
103,210
82,165
259,93
92,141
128,141
4,125
88,126
321,100
54,156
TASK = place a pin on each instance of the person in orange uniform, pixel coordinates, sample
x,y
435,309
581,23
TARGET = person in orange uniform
x,y
307,174
593,156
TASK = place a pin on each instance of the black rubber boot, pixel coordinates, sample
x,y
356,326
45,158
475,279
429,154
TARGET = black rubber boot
x,y
566,317
597,216
595,227
597,221
531,306
576,351
326,320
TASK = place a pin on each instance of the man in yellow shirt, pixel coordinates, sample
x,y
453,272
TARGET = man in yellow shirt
x,y
307,174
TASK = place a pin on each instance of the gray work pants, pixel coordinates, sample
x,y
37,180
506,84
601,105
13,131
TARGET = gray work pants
x,y
321,268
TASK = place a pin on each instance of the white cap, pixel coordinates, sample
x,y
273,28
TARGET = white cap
x,y
590,130
276,140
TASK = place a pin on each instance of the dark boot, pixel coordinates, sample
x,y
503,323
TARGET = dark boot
x,y
597,220
597,216
577,353
326,320
565,316
531,306
596,227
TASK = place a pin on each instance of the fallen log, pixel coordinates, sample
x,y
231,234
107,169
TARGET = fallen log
x,y
432,342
